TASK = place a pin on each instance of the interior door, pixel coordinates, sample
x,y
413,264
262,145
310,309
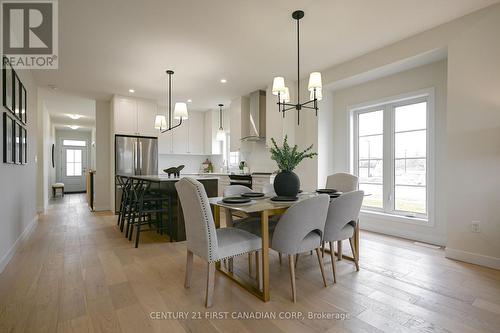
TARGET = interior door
x,y
74,166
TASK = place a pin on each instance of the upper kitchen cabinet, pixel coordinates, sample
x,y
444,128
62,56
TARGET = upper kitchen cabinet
x,y
180,137
239,114
134,116
196,129
212,146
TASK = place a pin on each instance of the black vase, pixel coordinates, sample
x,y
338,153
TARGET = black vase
x,y
287,184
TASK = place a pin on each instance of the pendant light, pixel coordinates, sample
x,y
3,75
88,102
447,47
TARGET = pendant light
x,y
221,135
314,85
164,122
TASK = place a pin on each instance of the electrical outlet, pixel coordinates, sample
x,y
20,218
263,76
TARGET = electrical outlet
x,y
475,226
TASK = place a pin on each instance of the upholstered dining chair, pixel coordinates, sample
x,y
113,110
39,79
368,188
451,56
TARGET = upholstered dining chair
x,y
341,220
204,240
300,230
343,182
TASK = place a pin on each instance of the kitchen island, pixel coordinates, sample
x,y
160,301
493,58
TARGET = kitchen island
x,y
166,185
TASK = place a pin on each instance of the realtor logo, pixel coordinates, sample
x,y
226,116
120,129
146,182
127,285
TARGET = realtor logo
x,y
29,33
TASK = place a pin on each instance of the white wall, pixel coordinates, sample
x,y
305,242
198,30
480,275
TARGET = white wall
x,y
192,163
103,160
473,133
18,191
429,76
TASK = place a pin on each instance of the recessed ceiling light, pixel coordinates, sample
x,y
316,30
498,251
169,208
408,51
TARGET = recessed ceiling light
x,y
190,100
223,80
75,116
52,86
131,91
73,127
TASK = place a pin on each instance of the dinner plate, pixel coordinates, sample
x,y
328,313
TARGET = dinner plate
x,y
252,195
326,190
236,200
282,198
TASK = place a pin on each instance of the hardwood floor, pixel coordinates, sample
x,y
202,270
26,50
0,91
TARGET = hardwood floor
x,y
77,273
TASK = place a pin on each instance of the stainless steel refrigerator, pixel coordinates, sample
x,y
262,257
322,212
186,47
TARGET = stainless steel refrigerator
x,y
134,155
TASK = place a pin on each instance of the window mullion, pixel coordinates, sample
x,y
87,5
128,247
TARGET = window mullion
x,y
388,158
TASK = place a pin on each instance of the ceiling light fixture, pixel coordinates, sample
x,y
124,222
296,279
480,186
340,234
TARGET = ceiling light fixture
x,y
314,86
75,116
223,80
131,91
221,135
180,111
74,127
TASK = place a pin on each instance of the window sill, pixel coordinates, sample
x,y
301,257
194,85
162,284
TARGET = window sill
x,y
396,218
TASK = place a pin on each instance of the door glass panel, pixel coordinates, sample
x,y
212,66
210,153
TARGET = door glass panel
x,y
77,143
371,171
371,146
70,156
374,194
78,156
370,123
410,144
78,169
410,199
410,172
411,117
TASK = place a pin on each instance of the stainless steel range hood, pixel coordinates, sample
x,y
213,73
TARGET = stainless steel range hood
x,y
257,117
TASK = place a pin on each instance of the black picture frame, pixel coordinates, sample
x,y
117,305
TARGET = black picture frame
x,y
24,104
17,143
24,146
8,76
18,88
8,138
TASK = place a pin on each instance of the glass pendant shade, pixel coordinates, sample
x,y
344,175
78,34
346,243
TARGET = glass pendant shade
x,y
278,85
160,122
221,135
180,111
314,81
319,95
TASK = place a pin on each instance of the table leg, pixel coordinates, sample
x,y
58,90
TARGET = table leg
x,y
217,216
264,222
356,238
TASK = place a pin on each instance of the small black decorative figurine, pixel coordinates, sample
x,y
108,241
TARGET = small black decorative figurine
x,y
176,171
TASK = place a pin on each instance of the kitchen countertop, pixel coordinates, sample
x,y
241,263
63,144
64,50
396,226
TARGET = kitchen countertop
x,y
165,178
257,174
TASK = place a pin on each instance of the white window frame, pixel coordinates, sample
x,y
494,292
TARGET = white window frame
x,y
389,104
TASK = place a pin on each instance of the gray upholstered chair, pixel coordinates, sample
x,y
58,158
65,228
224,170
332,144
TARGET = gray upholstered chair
x,y
299,230
343,182
341,220
203,239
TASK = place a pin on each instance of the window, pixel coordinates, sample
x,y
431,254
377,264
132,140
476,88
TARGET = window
x,y
234,158
73,162
75,143
390,155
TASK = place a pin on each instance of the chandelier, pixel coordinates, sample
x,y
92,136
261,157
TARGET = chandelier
x,y
180,111
221,135
314,86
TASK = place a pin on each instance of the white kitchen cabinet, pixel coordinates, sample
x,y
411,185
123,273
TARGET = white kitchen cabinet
x,y
146,114
165,143
259,181
239,123
125,116
180,137
134,116
223,182
212,146
196,129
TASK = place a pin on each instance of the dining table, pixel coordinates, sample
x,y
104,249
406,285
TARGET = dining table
x,y
265,207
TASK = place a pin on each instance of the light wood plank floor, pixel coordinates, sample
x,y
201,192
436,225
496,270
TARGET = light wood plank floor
x,y
77,273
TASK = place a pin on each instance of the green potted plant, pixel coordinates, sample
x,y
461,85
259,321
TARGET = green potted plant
x,y
286,182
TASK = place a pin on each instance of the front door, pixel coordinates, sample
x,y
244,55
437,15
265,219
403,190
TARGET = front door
x,y
74,165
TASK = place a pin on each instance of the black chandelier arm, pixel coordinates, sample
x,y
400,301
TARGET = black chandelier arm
x,y
308,107
171,127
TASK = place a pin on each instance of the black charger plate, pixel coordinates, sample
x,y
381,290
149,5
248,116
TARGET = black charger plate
x,y
281,198
326,190
236,200
252,195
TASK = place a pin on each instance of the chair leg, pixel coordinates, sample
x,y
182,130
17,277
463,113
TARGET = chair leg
x,y
138,231
210,285
354,254
250,263
279,256
323,249
332,256
339,250
320,261
230,264
291,266
296,259
258,270
189,269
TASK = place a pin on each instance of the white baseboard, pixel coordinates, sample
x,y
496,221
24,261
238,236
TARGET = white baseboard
x,y
101,208
414,236
473,258
8,256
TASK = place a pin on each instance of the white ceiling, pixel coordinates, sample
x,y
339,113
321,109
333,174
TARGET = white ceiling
x,y
107,47
60,104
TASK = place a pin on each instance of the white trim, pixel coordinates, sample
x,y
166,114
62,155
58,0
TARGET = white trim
x,y
25,234
102,208
473,258
395,217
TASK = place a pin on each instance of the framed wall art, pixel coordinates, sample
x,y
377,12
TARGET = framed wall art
x,y
24,104
17,143
16,101
24,146
8,85
8,138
